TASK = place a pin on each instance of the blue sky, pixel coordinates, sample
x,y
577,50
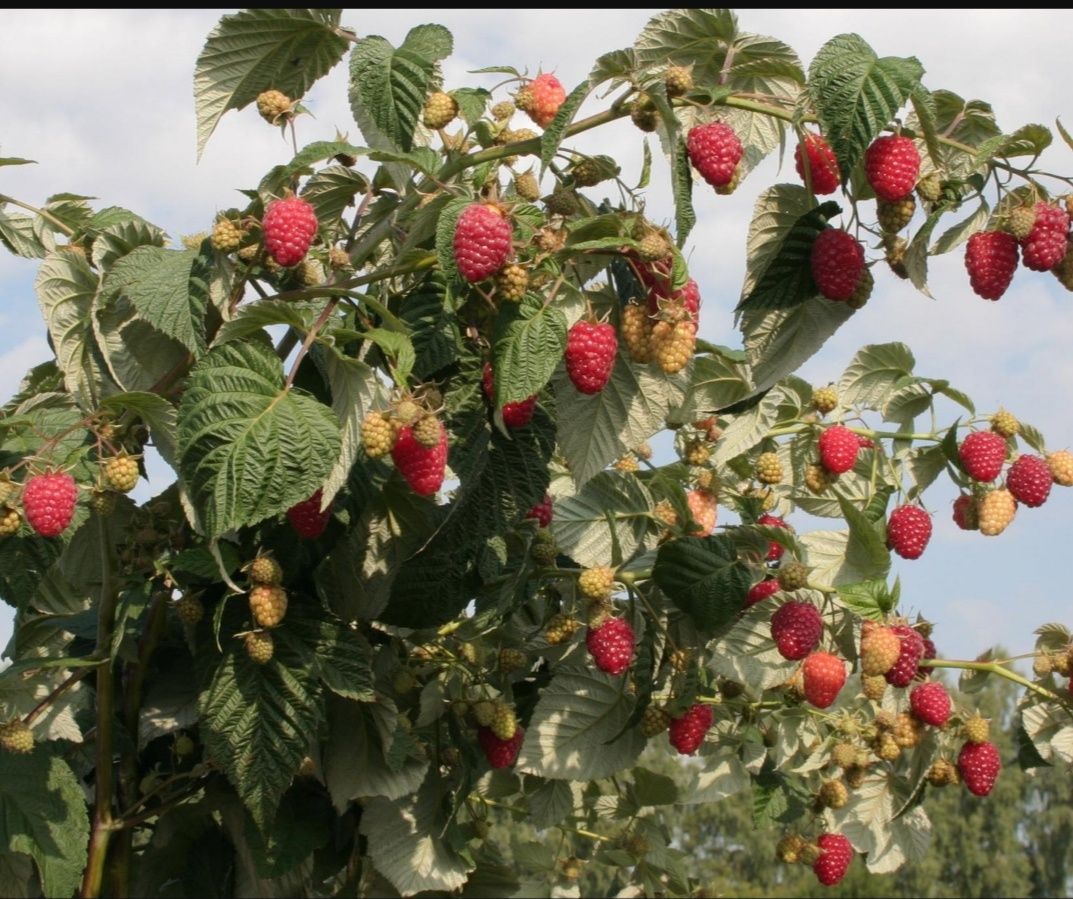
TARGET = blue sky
x,y
104,104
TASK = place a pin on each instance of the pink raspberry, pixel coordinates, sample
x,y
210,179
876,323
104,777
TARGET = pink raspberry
x,y
908,531
823,166
824,676
835,858
687,732
982,453
796,628
611,645
891,165
991,260
837,261
838,447
289,227
590,355
1029,480
930,703
49,502
500,753
482,241
541,512
546,96
715,151
774,550
423,467
759,592
979,765
905,669
307,519
1048,240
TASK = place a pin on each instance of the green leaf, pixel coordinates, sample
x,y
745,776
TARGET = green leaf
x,y
407,845
249,449
717,381
965,121
556,130
704,578
923,119
833,562
596,429
283,176
916,257
341,657
257,720
355,758
780,341
168,288
650,788
550,803
870,377
332,189
748,428
1028,140
302,826
606,517
857,94
775,213
576,732
26,236
388,86
445,237
119,232
156,412
685,217
866,550
529,341
261,49
253,318
66,287
43,815
356,391
868,599
956,235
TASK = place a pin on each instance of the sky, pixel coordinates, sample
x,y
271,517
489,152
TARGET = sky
x,y
104,104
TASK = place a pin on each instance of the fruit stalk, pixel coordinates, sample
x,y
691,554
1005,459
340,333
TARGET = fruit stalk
x,y
992,668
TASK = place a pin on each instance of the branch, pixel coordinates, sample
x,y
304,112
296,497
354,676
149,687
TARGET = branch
x,y
993,668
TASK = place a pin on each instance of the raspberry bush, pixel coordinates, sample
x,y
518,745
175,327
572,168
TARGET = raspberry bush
x,y
418,568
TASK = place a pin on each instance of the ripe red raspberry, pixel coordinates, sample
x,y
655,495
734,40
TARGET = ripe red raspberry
x,y
761,591
687,732
965,513
979,765
774,550
908,531
590,355
796,628
715,151
991,260
824,676
611,645
289,228
49,502
891,165
1029,480
902,671
546,95
823,166
515,415
422,467
837,261
500,753
307,519
836,854
930,703
1048,241
838,447
482,241
982,453
541,512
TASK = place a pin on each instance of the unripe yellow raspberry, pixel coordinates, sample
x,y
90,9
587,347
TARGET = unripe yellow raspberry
x,y
268,604
825,399
527,186
818,479
697,452
976,729
427,431
377,435
265,570
833,794
637,332
16,736
274,105
995,510
627,464
226,236
672,345
504,721
789,848
678,80
560,628
596,583
1061,466
260,646
512,281
10,520
120,473
1005,423
768,468
511,660
440,110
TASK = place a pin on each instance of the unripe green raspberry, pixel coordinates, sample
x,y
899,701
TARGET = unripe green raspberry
x,y
862,293
184,745
825,399
768,468
440,110
484,712
527,186
545,550
856,776
16,736
697,452
407,412
427,431
274,105
976,729
10,520
732,185
560,628
561,201
592,170
810,852
102,501
377,435
309,273
678,80
120,473
512,281
511,660
895,216
1042,665
596,583
249,254
190,610
654,721
404,681
504,721
8,488
643,113
833,794
942,772
874,686
844,755
260,646
1021,221
793,575
818,479
896,250
1005,423
502,110
265,570
226,236
930,188
338,258
887,748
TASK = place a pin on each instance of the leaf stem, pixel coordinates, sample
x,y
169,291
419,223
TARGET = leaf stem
x,y
48,217
993,668
310,337
70,681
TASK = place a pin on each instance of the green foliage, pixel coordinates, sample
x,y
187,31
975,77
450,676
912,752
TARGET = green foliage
x,y
329,726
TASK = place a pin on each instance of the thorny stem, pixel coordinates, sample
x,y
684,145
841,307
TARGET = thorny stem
x,y
102,818
992,668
